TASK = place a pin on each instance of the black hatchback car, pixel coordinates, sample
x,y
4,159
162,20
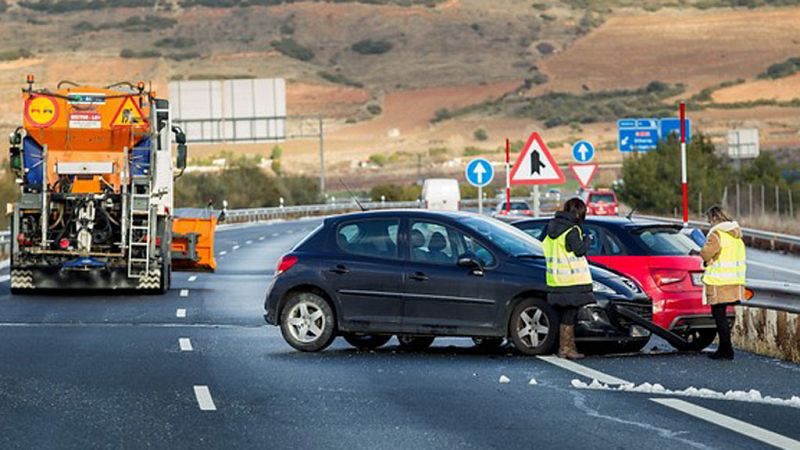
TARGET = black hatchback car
x,y
419,274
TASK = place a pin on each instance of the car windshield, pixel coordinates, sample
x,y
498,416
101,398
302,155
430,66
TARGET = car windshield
x,y
510,239
597,198
515,206
665,241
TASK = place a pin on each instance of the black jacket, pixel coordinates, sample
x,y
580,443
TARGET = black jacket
x,y
570,295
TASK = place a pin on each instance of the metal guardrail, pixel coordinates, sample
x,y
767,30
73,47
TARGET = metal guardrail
x,y
278,212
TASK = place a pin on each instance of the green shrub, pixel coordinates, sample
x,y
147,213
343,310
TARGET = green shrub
x,y
128,53
374,109
372,47
441,114
11,55
379,159
473,151
545,48
395,193
293,49
276,152
339,78
184,56
480,135
276,166
782,69
175,42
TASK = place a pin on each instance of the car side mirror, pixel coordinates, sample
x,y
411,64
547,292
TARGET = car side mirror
x,y
182,154
470,261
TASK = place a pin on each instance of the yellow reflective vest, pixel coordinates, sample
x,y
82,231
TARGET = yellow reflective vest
x,y
730,267
563,267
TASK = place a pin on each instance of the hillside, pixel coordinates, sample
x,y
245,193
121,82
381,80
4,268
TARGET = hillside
x,y
381,71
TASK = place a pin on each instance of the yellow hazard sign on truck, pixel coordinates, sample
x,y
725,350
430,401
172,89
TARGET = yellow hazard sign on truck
x,y
128,114
41,111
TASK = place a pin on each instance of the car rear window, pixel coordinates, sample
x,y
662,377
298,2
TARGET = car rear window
x,y
665,241
606,198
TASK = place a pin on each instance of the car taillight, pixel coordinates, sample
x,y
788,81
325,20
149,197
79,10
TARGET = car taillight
x,y
285,264
667,279
63,243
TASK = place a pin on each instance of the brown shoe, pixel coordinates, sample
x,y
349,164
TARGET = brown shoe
x,y
566,348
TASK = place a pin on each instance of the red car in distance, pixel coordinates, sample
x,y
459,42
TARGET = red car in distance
x,y
600,202
661,259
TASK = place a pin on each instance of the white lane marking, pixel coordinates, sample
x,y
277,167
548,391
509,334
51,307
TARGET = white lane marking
x,y
192,278
248,242
180,313
261,238
186,344
204,400
730,423
236,247
583,370
223,253
4,278
184,292
773,267
290,232
274,234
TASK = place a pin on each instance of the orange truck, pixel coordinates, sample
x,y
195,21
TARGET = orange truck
x,y
96,177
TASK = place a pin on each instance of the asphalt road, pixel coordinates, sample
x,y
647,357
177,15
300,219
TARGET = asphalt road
x,y
127,371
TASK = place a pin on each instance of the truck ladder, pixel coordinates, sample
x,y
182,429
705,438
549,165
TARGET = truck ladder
x,y
141,227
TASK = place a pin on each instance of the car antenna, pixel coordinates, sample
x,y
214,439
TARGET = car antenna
x,y
630,214
355,199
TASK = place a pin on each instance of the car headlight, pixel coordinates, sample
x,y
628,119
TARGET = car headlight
x,y
602,288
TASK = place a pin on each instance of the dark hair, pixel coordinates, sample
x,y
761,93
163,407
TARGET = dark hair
x,y
717,214
576,207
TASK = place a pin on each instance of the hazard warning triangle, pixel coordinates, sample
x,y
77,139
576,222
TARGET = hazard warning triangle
x,y
535,164
128,114
583,172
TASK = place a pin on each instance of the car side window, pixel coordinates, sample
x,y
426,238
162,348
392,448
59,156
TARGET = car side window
x,y
482,253
612,245
535,230
435,243
596,243
377,238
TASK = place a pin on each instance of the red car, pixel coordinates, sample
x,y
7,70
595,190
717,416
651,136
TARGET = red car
x,y
662,259
600,202
516,209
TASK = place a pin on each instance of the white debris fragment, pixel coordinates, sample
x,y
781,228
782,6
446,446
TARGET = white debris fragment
x,y
751,396
533,382
504,379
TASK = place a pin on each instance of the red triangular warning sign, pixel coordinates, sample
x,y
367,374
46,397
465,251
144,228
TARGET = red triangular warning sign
x,y
583,172
535,164
128,114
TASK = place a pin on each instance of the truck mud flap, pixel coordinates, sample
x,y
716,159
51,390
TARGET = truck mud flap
x,y
676,341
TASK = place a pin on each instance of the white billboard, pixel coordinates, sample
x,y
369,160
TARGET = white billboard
x,y
243,110
743,143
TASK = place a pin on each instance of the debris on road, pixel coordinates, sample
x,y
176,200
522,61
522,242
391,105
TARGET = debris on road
x,y
504,379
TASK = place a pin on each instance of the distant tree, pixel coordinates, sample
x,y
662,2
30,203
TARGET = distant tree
x,y
277,152
480,135
372,47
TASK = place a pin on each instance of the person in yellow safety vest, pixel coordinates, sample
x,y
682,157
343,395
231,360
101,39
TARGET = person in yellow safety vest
x,y
724,277
568,275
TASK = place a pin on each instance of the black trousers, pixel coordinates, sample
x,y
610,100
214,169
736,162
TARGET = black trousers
x,y
723,327
568,314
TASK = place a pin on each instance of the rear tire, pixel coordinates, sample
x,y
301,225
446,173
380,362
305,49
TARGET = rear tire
x,y
366,341
413,343
533,327
307,322
699,339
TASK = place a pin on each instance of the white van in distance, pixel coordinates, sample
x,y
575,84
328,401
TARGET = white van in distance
x,y
441,194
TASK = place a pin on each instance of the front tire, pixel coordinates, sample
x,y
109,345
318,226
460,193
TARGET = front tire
x,y
307,322
366,341
413,343
533,327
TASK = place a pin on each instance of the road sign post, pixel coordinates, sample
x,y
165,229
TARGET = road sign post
x,y
479,173
684,182
583,151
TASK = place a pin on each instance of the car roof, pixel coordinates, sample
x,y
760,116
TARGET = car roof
x,y
621,221
374,214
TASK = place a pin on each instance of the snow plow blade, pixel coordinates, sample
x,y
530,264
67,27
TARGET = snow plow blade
x,y
674,340
193,243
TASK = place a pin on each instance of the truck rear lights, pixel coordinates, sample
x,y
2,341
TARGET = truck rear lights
x,y
285,264
63,244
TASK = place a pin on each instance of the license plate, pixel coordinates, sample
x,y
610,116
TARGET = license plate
x,y
637,331
697,279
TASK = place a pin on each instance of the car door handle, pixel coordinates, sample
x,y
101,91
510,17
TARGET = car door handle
x,y
340,269
419,276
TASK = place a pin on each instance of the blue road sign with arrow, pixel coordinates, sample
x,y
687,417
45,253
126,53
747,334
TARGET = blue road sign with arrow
x,y
644,134
583,151
479,172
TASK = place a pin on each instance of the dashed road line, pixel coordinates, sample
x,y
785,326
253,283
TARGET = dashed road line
x,y
290,232
583,370
184,292
261,238
735,425
204,400
192,278
248,242
180,313
236,247
274,235
223,253
185,344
